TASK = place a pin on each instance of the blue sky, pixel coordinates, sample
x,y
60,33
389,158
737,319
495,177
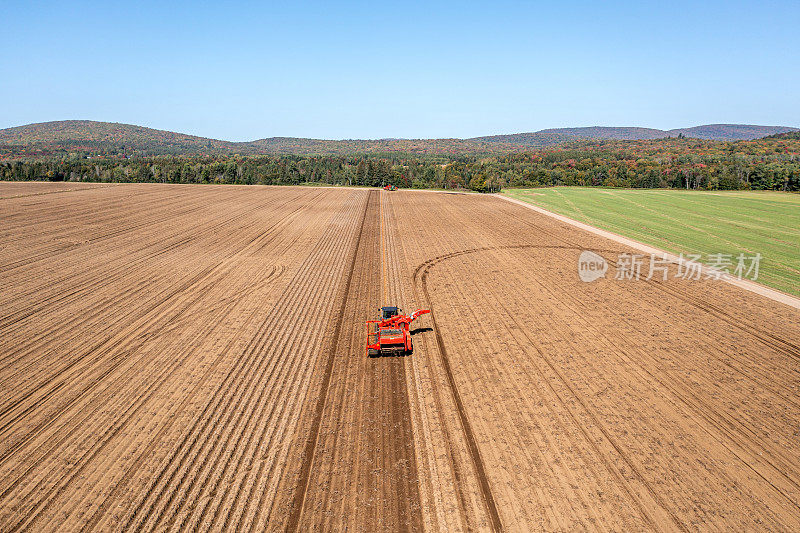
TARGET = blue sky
x,y
242,71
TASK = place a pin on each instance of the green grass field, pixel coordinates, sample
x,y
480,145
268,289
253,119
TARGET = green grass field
x,y
707,222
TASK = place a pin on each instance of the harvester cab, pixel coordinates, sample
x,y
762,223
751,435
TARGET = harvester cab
x,y
391,334
389,312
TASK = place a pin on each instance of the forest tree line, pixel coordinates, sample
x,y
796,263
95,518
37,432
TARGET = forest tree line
x,y
677,164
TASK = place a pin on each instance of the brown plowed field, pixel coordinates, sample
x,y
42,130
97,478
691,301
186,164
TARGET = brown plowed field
x,y
192,358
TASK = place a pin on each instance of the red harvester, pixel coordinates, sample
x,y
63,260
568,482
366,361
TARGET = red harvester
x,y
390,335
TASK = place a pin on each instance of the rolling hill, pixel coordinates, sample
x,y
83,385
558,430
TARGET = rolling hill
x,y
85,137
712,132
109,139
88,135
730,132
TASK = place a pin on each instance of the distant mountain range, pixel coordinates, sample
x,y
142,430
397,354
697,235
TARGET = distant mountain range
x,y
71,136
710,132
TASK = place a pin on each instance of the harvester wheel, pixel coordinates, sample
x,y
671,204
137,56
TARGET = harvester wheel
x,y
373,353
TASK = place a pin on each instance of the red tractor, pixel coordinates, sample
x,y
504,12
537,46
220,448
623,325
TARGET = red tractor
x,y
390,335
389,188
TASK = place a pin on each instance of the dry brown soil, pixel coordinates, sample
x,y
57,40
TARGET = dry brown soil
x,y
192,358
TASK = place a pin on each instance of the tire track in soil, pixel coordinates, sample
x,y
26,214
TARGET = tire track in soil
x,y
421,275
311,443
420,279
359,460
781,345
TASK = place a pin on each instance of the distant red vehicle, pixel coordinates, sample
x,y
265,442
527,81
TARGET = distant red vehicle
x,y
389,188
390,335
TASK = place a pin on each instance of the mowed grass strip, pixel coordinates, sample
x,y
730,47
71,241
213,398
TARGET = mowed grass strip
x,y
692,222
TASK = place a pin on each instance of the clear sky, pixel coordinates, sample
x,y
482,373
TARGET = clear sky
x,y
242,71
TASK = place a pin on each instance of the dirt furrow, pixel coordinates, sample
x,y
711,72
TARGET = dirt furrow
x,y
192,358
358,461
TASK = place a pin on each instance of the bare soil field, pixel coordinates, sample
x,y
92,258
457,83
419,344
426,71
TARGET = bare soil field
x,y
192,358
